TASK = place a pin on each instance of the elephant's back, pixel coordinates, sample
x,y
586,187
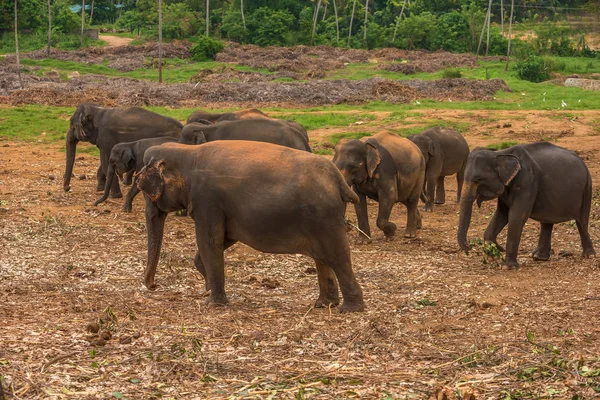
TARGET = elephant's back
x,y
405,154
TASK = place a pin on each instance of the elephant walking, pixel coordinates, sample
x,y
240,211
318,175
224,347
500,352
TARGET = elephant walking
x,y
387,168
259,194
106,127
541,181
445,152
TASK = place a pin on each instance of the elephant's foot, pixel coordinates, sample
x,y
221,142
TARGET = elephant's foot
x,y
100,186
127,208
589,252
510,264
327,301
500,248
428,207
541,255
217,299
440,201
116,195
362,239
410,234
127,180
352,306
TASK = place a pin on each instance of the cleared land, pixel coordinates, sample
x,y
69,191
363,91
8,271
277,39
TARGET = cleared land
x,y
439,323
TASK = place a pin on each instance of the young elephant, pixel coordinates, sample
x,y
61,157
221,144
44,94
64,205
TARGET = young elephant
x,y
387,168
540,181
270,197
445,152
258,130
127,157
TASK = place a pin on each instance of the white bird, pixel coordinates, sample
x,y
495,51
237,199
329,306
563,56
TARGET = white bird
x,y
418,102
579,101
544,94
544,99
563,104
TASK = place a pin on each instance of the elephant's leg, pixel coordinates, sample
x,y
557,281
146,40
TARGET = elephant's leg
x,y
129,198
328,286
210,242
516,220
200,265
497,223
542,253
383,217
586,242
115,190
363,218
128,178
440,191
101,177
413,218
331,252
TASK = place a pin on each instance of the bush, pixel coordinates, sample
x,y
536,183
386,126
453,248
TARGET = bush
x,y
206,48
533,69
449,73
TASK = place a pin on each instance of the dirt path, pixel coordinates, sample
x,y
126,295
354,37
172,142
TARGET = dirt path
x,y
115,41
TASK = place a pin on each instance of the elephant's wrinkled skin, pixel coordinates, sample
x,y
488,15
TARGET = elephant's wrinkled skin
x,y
270,197
541,181
207,118
106,127
445,152
126,157
387,168
258,130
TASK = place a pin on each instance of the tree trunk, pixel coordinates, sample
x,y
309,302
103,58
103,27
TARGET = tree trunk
x,y
365,30
242,10
398,21
49,28
324,12
351,19
207,15
337,25
502,16
489,22
512,6
82,21
17,48
92,13
160,40
483,29
316,17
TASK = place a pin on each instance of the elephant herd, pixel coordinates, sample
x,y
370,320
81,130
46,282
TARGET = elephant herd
x,y
246,177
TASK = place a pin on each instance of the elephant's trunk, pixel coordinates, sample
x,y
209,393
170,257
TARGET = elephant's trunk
x,y
71,145
155,224
466,208
109,180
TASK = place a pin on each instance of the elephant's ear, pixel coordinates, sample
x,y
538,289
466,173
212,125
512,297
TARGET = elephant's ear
x,y
373,158
199,138
508,167
431,149
150,179
128,155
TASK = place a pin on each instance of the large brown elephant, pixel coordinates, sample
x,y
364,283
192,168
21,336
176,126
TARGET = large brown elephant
x,y
272,198
541,181
106,127
387,168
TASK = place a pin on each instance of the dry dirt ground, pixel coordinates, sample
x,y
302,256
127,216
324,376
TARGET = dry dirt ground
x,y
439,324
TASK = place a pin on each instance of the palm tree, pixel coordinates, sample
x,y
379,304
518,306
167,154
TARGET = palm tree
x,y
351,19
160,40
366,14
49,28
337,25
242,10
316,17
512,6
17,48
207,15
82,21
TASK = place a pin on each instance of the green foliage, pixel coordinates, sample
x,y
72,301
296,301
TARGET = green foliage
x,y
320,120
269,27
533,69
206,48
352,135
233,27
489,252
502,145
179,21
449,73
418,31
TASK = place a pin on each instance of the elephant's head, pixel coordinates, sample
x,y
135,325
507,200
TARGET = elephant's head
x,y
122,158
487,175
82,123
151,180
357,160
192,134
425,144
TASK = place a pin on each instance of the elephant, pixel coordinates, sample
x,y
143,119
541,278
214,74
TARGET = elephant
x,y
259,130
211,118
126,157
445,152
207,118
541,181
387,168
106,127
272,198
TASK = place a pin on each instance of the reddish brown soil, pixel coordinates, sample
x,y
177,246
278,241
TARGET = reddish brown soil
x,y
439,323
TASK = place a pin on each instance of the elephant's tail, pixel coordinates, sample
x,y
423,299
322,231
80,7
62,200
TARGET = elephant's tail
x,y
586,204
